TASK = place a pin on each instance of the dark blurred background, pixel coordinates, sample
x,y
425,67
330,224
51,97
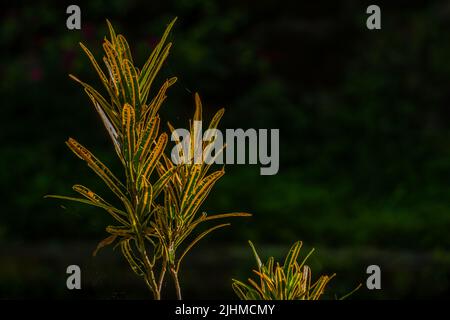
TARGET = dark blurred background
x,y
364,140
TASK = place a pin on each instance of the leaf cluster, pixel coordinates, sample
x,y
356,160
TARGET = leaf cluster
x,y
160,201
290,281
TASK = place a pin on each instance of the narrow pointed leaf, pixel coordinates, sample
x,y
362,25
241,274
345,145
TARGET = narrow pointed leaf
x,y
105,242
135,263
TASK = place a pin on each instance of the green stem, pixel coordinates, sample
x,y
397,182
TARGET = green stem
x,y
161,276
150,275
177,282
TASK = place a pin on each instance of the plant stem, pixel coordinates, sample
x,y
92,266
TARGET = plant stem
x,y
161,276
177,282
156,293
150,275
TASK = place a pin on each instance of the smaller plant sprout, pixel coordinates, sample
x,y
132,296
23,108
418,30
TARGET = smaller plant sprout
x,y
291,281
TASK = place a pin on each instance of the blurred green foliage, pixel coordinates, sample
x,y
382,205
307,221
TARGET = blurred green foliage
x,y
363,115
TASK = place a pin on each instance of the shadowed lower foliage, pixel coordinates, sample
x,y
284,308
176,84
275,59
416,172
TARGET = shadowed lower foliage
x,y
159,200
290,281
